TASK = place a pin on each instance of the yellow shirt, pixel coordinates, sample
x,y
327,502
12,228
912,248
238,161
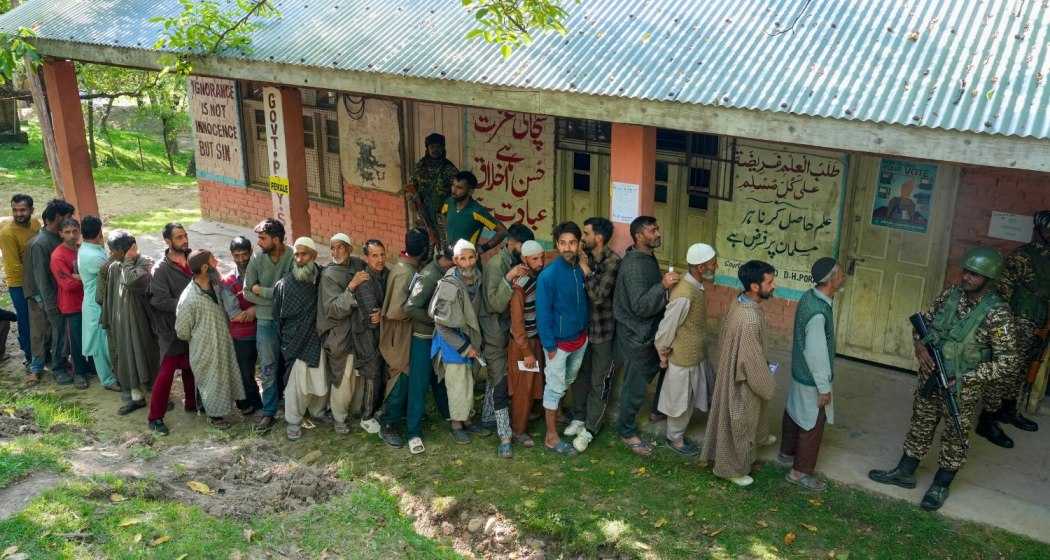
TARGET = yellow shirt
x,y
13,241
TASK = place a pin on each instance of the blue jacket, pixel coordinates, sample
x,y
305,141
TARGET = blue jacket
x,y
561,303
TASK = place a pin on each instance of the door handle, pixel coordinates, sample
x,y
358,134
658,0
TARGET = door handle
x,y
853,265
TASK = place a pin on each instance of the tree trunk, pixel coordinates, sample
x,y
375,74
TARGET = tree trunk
x,y
91,133
47,131
104,125
167,124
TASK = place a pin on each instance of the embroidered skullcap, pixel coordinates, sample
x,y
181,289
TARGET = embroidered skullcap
x,y
531,248
462,246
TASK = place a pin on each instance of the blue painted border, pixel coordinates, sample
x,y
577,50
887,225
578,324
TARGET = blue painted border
x,y
221,179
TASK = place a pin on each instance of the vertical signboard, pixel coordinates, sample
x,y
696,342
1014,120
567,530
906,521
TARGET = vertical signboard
x,y
214,110
275,144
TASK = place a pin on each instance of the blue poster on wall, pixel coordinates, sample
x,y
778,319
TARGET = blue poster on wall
x,y
904,195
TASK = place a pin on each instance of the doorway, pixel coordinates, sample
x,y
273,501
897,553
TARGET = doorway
x,y
897,232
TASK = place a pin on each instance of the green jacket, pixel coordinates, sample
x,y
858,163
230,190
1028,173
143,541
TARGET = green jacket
x,y
494,315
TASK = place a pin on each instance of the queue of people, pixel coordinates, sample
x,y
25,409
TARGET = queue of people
x,y
362,338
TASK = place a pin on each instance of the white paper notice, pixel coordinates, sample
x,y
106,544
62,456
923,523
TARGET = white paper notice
x,y
1014,227
534,369
624,205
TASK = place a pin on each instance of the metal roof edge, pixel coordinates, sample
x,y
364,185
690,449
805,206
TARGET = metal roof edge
x,y
915,141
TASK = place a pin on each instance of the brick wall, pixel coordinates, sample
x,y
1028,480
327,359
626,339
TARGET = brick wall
x,y
366,214
780,313
982,190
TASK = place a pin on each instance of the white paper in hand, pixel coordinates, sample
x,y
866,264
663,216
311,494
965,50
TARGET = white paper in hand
x,y
533,369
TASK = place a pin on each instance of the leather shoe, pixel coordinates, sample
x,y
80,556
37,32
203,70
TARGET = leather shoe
x,y
897,477
265,424
934,498
989,429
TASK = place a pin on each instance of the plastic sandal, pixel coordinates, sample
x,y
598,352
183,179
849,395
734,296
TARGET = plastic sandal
x,y
562,449
415,446
504,451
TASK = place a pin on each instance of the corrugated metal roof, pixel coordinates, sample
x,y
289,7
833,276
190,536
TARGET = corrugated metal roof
x,y
949,64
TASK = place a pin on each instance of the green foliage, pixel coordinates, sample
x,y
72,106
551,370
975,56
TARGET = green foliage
x,y
206,27
13,49
513,23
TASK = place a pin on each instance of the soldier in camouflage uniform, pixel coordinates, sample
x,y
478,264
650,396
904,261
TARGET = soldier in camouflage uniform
x,y
975,331
432,178
1025,286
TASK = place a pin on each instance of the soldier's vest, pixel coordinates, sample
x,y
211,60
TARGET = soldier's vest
x,y
957,336
1030,300
808,307
688,348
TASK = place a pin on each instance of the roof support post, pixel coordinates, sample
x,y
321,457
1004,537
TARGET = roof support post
x,y
287,149
74,174
633,162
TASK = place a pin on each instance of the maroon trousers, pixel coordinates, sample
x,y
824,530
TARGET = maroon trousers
x,y
803,445
158,400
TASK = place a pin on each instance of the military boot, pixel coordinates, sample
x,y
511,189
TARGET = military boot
x,y
1008,414
902,475
988,428
938,492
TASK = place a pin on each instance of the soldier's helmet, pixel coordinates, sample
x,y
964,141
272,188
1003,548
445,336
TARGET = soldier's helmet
x,y
984,261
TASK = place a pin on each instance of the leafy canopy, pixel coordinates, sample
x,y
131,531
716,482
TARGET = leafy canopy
x,y
513,23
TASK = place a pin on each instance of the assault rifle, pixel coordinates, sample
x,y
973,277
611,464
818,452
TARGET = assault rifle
x,y
938,380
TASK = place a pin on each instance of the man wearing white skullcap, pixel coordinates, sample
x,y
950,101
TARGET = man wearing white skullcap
x,y
295,312
681,341
457,343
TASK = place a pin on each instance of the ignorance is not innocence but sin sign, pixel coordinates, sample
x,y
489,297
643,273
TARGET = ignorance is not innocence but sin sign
x,y
219,153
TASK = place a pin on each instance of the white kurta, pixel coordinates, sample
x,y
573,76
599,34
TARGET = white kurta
x,y
683,386
802,399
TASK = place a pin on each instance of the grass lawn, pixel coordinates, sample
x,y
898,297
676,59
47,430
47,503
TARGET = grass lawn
x,y
154,221
604,501
22,165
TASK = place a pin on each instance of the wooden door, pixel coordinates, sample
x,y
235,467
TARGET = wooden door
x,y
585,177
895,259
443,119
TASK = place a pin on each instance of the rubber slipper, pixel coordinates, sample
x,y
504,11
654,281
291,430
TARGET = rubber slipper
x,y
504,451
809,482
641,448
561,448
461,437
525,440
415,446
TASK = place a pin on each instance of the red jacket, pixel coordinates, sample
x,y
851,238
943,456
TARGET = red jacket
x,y
70,289
239,331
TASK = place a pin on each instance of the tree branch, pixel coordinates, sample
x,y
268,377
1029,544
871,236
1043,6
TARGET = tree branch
x,y
244,19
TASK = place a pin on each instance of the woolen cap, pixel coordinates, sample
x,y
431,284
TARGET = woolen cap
x,y
462,246
342,237
531,248
822,269
305,242
699,253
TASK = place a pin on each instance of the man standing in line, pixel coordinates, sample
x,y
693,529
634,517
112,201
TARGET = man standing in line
x,y
170,277
421,373
638,305
744,384
70,296
264,270
295,311
94,339
561,320
457,341
202,319
809,402
432,181
465,218
524,352
1025,286
976,333
128,318
395,334
498,277
335,305
681,342
364,327
14,241
38,284
590,391
243,331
